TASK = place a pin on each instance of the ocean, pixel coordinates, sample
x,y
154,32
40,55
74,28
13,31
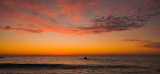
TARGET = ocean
x,y
76,64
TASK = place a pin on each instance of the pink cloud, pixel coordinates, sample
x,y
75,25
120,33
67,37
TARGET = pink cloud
x,y
97,11
68,10
94,3
49,13
76,16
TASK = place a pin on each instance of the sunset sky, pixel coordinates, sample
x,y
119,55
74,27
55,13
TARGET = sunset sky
x,y
78,27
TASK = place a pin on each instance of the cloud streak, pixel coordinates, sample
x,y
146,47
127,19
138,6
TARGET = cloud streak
x,y
145,43
20,29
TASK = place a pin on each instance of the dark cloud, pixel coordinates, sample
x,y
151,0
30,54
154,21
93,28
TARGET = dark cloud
x,y
116,22
152,46
131,40
149,8
145,43
22,29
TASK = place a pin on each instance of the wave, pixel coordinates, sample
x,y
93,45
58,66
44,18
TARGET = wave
x,y
65,66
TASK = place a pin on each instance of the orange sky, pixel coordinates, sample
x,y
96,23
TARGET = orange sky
x,y
79,27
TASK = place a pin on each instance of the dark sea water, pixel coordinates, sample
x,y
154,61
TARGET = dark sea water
x,y
107,64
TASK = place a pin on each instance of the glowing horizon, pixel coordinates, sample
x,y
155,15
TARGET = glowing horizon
x,y
79,27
